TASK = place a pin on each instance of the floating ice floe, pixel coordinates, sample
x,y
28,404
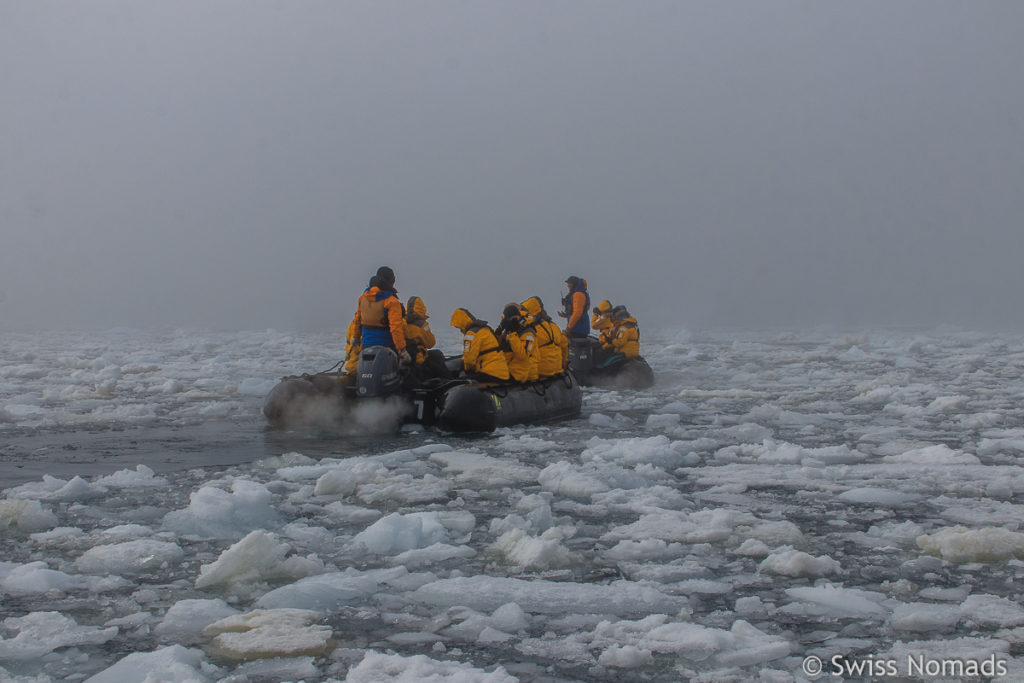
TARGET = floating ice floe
x,y
141,476
25,515
377,667
215,513
535,552
933,455
39,633
707,526
789,562
173,664
398,533
58,490
185,620
132,557
328,592
38,578
262,634
881,497
835,602
960,544
258,557
487,593
481,471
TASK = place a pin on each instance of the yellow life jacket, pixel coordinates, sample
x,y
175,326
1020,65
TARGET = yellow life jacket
x,y
519,355
553,349
627,338
480,350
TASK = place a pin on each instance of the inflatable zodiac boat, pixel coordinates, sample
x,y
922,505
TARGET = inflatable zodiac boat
x,y
594,366
381,399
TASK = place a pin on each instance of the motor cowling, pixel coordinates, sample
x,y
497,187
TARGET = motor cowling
x,y
377,373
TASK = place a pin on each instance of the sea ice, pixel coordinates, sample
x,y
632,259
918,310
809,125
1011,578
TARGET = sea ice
x,y
323,592
141,476
345,478
214,513
25,515
173,664
378,667
789,562
534,552
398,533
132,557
258,557
487,593
656,450
262,634
185,620
924,617
432,554
960,544
879,497
933,455
481,471
39,633
836,602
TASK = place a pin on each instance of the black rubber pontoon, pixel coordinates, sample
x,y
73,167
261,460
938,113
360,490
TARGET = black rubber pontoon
x,y
485,407
594,366
377,399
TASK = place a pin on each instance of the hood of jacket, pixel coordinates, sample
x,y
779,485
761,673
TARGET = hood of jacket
x,y
462,319
533,306
417,308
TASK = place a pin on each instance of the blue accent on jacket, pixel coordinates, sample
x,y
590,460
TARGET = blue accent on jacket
x,y
378,336
582,326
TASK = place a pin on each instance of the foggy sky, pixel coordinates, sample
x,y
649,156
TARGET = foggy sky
x,y
249,164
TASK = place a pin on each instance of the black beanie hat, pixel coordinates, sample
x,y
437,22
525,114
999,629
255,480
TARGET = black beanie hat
x,y
386,277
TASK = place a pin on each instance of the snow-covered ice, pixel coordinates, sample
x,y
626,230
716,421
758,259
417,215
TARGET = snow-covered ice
x,y
773,496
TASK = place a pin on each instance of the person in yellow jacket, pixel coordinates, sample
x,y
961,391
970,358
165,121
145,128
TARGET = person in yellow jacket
x,y
627,334
427,362
482,358
517,345
552,345
418,336
352,348
601,321
378,320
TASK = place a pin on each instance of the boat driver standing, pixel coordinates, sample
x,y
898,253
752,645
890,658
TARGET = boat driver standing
x,y
378,320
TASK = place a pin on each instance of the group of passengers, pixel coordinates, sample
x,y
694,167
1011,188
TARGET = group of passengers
x,y
525,346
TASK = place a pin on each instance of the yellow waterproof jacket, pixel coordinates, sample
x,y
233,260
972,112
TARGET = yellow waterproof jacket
x,y
480,350
529,337
603,324
553,348
627,338
552,345
418,336
352,347
518,348
602,319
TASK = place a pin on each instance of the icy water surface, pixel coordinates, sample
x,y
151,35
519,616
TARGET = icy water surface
x,y
773,498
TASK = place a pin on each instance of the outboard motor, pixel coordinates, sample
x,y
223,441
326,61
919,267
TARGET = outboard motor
x,y
582,356
377,373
